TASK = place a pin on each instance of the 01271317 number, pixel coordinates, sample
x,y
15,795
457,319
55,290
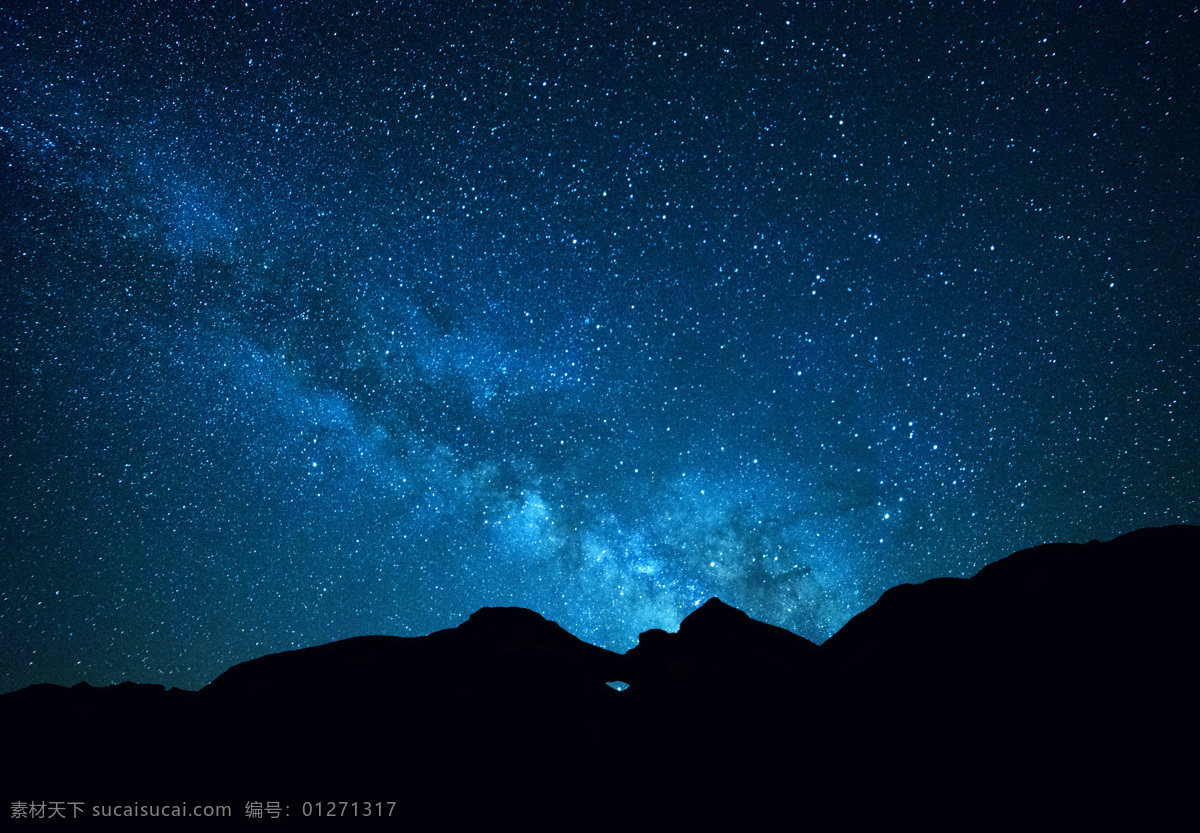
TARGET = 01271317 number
x,y
342,809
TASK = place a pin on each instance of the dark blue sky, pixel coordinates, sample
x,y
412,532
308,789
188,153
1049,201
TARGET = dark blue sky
x,y
319,320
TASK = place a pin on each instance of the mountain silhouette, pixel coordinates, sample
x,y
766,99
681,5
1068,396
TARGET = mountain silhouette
x,y
1058,678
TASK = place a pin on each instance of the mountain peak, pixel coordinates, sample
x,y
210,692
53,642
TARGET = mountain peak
x,y
712,616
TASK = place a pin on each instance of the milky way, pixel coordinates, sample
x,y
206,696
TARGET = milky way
x,y
328,319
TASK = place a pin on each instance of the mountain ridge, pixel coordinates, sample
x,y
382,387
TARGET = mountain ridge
x,y
1067,656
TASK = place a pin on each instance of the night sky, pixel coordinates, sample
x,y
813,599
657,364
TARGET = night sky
x,y
327,319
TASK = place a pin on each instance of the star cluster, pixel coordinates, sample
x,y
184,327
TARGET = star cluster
x,y
325,319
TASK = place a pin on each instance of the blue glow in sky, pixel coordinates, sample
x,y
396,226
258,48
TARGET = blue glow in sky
x,y
329,319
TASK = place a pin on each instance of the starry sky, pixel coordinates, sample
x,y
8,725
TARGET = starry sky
x,y
321,319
